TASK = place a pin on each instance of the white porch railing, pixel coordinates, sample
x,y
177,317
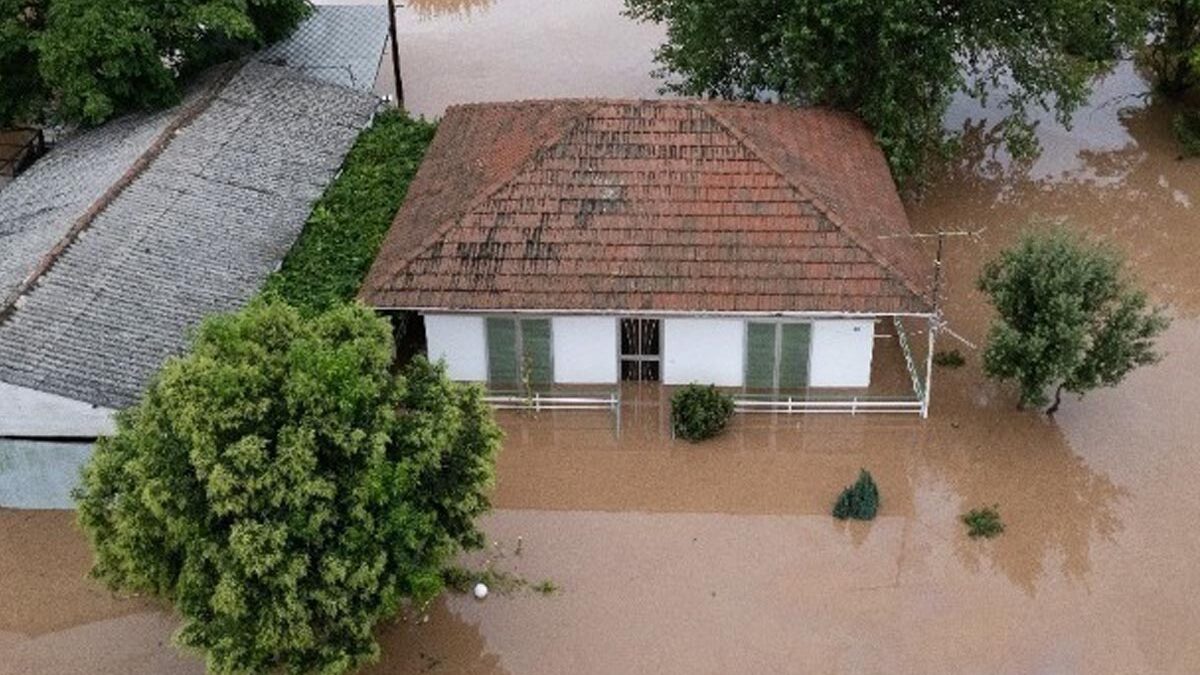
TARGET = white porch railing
x,y
538,402
852,405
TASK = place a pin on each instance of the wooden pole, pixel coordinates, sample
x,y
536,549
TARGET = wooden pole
x,y
395,54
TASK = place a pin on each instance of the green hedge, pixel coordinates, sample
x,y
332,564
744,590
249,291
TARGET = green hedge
x,y
347,224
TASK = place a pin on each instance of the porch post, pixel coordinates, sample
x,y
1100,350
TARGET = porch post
x,y
933,324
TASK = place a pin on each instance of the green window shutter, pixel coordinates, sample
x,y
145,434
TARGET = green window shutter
x,y
793,356
535,339
502,351
760,355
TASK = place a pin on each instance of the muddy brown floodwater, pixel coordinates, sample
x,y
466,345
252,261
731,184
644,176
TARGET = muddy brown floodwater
x,y
720,557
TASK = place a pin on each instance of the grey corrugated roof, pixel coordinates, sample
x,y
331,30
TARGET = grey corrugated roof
x,y
341,44
38,208
197,232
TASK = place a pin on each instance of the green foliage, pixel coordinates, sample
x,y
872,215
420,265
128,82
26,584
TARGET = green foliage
x,y
100,58
984,522
1173,52
949,359
348,223
285,491
463,580
22,93
700,412
859,501
1067,317
896,64
1187,130
92,60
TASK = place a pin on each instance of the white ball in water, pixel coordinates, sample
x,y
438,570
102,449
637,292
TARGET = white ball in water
x,y
481,590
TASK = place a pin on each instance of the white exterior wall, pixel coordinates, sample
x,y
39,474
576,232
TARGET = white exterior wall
x,y
705,351
585,349
462,341
841,353
28,412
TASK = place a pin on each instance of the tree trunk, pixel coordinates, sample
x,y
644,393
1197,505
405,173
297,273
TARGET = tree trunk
x,y
1057,401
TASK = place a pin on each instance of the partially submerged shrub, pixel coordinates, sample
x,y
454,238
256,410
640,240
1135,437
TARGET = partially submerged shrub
x,y
1187,130
699,412
859,501
984,522
949,359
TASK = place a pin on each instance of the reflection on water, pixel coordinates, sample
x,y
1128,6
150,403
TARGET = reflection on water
x,y
521,49
432,8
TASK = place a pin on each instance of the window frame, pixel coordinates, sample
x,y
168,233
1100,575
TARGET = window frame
x,y
777,323
519,346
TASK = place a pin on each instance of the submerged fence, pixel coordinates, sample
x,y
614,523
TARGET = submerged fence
x,y
851,405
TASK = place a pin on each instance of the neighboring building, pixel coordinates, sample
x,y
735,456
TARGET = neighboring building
x,y
122,239
569,243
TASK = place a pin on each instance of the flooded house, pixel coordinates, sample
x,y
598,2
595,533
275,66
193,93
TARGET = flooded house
x,y
554,248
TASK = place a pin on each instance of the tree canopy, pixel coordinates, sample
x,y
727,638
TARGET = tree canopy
x,y
1068,318
1173,53
896,64
85,61
285,491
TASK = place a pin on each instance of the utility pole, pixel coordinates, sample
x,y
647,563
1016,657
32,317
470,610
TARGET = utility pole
x,y
395,54
936,321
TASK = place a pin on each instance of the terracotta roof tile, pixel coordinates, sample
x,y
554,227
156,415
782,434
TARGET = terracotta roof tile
x,y
651,205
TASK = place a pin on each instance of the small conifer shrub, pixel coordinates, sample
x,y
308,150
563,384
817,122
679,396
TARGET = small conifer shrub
x,y
859,501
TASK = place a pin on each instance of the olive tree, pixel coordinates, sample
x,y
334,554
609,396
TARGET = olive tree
x,y
285,491
897,64
1068,319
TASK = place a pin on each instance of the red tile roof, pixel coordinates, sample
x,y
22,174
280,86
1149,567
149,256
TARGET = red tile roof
x,y
587,205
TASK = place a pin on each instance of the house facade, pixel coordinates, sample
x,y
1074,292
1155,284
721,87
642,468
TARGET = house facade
x,y
552,245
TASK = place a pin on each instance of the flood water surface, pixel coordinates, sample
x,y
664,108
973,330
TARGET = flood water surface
x,y
720,557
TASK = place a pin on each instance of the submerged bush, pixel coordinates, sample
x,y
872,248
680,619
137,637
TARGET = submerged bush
x,y
699,412
859,501
949,359
1187,130
983,522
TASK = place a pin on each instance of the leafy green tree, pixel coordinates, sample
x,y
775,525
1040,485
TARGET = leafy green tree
x,y
100,58
285,491
1173,53
91,60
22,93
1068,318
896,64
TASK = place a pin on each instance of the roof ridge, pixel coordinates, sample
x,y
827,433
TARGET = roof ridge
x,y
187,113
743,138
491,188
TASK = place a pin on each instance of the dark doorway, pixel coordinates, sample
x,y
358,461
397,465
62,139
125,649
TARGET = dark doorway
x,y
641,350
